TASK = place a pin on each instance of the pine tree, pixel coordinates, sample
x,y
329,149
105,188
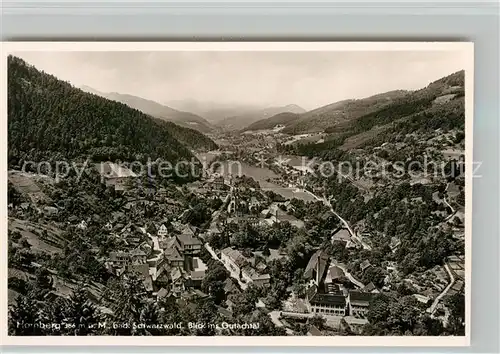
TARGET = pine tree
x,y
57,314
81,316
128,298
26,317
148,317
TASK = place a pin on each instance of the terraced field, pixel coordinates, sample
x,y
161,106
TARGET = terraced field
x,y
51,243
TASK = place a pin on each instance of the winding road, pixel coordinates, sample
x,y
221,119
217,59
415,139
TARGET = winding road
x,y
344,222
448,205
432,308
453,210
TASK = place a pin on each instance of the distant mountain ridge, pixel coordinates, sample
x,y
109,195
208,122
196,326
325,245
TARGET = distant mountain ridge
x,y
212,111
155,109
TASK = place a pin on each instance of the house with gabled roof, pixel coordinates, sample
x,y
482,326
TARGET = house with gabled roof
x,y
231,287
157,266
214,229
355,324
162,293
162,231
370,288
230,304
169,242
226,313
333,275
422,298
197,274
177,281
350,244
133,238
115,175
251,276
173,257
189,244
394,244
359,303
233,260
314,331
148,283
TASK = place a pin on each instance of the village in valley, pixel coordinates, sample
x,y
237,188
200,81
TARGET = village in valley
x,y
279,230
236,239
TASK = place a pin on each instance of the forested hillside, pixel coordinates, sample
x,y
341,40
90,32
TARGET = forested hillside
x,y
190,137
270,123
440,105
48,119
330,115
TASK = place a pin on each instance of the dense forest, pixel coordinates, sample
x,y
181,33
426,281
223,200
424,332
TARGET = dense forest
x,y
190,137
48,119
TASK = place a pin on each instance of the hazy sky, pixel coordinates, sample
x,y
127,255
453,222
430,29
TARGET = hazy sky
x,y
309,79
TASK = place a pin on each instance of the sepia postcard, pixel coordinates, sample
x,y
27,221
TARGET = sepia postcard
x,y
270,194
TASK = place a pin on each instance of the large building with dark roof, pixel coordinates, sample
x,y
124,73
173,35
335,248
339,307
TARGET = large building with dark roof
x,y
328,304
